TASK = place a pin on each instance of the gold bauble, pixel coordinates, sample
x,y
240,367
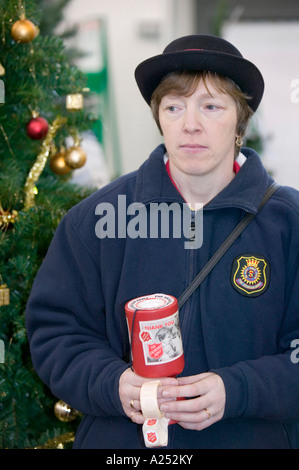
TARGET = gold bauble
x,y
64,412
58,164
23,31
75,157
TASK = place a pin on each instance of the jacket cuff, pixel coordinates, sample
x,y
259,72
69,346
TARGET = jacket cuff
x,y
109,393
236,391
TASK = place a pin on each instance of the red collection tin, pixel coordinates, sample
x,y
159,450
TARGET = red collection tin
x,y
155,335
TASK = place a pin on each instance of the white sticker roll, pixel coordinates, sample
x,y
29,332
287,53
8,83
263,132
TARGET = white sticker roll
x,y
149,400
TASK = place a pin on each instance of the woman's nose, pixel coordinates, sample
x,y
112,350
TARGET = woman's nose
x,y
192,122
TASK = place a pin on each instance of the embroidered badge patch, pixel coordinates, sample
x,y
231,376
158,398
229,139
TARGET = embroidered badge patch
x,y
250,274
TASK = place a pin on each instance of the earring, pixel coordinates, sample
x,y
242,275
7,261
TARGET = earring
x,y
239,141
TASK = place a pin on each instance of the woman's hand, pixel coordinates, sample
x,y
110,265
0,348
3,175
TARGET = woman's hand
x,y
129,393
205,404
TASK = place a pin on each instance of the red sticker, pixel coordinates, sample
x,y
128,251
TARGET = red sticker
x,y
151,422
145,336
155,350
152,437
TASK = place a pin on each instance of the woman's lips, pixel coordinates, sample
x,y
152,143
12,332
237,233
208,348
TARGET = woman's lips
x,y
193,147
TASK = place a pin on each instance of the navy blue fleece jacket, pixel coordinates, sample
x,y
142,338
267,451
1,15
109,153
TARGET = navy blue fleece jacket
x,y
242,329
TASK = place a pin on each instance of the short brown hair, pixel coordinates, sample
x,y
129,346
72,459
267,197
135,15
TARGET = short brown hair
x,y
185,83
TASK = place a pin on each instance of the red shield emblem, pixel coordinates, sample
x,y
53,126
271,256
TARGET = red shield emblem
x,y
152,437
151,422
145,336
155,350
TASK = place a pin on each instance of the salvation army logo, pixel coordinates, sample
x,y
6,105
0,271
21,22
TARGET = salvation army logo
x,y
155,350
250,274
152,437
145,336
151,422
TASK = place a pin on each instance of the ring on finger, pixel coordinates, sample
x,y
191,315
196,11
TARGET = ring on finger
x,y
132,404
209,414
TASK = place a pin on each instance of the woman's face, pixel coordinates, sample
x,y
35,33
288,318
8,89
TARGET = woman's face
x,y
199,130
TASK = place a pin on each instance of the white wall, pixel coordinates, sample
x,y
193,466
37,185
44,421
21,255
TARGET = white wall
x,y
128,22
273,47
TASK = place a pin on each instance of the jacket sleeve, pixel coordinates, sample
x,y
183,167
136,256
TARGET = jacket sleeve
x,y
268,387
66,325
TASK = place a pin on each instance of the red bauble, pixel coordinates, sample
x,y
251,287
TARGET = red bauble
x,y
37,128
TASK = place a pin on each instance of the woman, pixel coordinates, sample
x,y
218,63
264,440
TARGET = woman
x,y
240,376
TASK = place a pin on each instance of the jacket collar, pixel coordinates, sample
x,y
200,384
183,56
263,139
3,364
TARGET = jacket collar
x,y
245,191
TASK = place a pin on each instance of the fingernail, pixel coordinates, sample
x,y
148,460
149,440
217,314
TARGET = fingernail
x,y
165,393
164,408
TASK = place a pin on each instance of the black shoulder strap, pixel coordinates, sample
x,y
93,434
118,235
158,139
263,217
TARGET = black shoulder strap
x,y
224,247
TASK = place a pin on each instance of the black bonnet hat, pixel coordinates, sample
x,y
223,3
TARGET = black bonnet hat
x,y
201,52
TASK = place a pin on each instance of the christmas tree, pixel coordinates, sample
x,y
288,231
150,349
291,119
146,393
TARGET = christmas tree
x,y
41,104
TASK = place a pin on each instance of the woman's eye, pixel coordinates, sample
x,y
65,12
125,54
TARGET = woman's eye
x,y
211,107
171,108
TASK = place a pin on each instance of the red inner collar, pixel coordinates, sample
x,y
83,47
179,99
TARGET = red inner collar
x,y
236,168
